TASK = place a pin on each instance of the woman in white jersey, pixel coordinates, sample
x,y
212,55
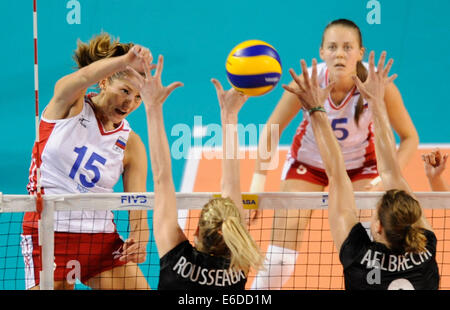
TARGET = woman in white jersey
x,y
85,146
342,52
402,254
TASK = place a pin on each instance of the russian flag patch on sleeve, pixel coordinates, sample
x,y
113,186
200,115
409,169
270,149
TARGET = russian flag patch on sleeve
x,y
120,144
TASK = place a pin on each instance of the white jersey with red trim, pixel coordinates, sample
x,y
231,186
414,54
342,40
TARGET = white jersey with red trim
x,y
79,156
356,141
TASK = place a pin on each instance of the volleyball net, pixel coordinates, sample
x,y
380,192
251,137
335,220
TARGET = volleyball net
x,y
316,267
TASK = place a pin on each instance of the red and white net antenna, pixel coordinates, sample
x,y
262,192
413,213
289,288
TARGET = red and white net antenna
x,y
39,201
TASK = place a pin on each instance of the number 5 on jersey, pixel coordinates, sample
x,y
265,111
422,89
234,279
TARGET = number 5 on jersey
x,y
89,165
335,123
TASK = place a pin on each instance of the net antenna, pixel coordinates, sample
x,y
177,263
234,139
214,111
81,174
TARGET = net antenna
x,y
46,249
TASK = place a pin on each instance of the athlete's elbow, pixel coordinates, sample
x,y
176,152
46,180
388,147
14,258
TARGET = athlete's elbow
x,y
411,138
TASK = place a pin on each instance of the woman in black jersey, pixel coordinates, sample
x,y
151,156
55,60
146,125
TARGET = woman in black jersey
x,y
402,255
224,250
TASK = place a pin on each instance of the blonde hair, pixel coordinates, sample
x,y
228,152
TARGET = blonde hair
x,y
99,47
398,212
222,233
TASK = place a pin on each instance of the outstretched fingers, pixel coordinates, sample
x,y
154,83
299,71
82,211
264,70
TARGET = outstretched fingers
x,y
392,78
291,89
382,71
360,86
388,67
173,86
372,64
380,67
135,78
217,85
159,67
305,72
314,72
297,80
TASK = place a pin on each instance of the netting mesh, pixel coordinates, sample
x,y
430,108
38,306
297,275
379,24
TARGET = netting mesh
x,y
317,266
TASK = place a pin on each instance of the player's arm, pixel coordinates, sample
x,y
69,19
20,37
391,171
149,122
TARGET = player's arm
x,y
230,103
135,181
286,109
402,124
373,90
166,230
68,92
341,202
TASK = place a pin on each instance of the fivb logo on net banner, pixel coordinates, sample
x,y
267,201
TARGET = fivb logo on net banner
x,y
209,139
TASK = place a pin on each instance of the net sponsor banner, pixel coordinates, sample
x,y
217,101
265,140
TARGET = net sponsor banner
x,y
262,201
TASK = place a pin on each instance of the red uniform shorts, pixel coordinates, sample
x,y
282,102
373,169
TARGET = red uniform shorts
x,y
80,255
294,169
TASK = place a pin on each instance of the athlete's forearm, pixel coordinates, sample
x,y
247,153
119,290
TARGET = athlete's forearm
x,y
72,84
385,148
438,184
139,225
159,146
329,148
230,183
406,150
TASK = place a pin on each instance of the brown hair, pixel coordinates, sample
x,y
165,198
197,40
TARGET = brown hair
x,y
398,212
99,47
222,233
361,71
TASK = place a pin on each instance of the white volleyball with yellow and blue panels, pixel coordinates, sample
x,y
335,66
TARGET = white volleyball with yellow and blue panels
x,y
253,67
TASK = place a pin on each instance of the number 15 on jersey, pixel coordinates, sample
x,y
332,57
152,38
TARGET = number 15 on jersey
x,y
90,165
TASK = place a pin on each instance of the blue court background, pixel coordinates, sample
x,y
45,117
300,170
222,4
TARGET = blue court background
x,y
195,38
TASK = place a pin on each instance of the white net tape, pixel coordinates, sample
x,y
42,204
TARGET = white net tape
x,y
192,201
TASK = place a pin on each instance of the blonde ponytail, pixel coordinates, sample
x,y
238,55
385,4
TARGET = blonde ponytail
x,y
415,240
222,233
245,254
99,47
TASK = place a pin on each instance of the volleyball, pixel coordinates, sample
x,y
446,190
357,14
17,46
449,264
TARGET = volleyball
x,y
253,67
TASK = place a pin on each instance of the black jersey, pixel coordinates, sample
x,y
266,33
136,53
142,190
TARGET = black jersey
x,y
371,265
185,268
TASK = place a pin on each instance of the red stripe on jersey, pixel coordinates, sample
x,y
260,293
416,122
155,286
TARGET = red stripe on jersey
x,y
346,99
105,133
45,129
100,125
369,155
30,219
297,143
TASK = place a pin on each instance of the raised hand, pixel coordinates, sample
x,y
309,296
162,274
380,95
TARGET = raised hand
x,y
374,86
434,163
138,57
308,89
230,101
133,251
150,87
